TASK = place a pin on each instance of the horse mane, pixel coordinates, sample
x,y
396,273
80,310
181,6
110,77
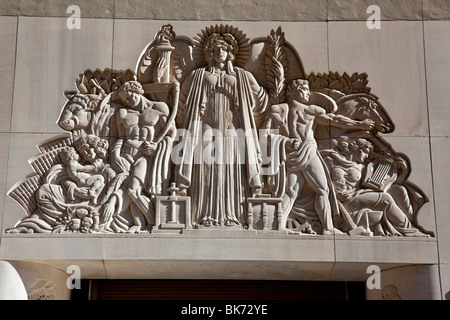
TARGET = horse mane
x,y
357,95
351,111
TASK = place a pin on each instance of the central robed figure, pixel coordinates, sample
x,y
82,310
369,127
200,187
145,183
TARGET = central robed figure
x,y
220,100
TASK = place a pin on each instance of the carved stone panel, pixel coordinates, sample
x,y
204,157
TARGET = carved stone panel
x,y
220,132
172,212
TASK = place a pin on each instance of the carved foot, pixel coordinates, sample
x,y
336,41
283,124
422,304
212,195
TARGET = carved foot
x,y
134,229
295,226
231,223
104,228
333,231
208,222
417,233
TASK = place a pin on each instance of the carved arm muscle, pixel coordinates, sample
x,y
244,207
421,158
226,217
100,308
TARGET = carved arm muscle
x,y
344,122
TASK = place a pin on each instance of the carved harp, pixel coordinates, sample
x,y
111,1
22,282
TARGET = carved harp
x,y
380,174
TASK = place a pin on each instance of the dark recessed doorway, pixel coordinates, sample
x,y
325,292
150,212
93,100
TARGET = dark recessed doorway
x,y
223,290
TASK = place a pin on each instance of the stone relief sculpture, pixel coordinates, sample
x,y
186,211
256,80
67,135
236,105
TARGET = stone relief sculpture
x,y
304,165
382,212
216,102
141,153
220,132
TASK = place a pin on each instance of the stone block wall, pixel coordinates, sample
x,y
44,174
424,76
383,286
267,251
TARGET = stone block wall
x,y
407,61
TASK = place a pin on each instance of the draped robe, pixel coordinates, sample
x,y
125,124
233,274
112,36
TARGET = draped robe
x,y
219,163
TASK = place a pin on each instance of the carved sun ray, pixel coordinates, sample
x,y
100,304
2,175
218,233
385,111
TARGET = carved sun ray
x,y
241,38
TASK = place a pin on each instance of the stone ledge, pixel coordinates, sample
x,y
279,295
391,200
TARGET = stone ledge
x,y
58,8
356,10
167,247
171,257
237,10
404,250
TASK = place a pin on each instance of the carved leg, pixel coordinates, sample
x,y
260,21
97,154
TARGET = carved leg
x,y
142,202
400,195
294,183
138,220
314,174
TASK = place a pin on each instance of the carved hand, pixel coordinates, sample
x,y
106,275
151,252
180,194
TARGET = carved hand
x,y
108,211
294,143
367,124
97,164
149,148
344,194
119,163
401,163
382,128
202,110
82,192
161,65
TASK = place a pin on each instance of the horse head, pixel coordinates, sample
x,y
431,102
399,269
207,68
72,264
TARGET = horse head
x,y
362,106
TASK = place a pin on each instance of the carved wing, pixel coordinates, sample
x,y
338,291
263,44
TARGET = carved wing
x,y
183,63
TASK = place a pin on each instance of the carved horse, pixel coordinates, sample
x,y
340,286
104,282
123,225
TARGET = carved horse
x,y
362,106
357,106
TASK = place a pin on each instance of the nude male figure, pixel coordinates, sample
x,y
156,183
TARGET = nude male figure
x,y
138,122
304,164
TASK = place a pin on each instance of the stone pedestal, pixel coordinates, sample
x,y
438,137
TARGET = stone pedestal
x,y
416,282
172,213
264,213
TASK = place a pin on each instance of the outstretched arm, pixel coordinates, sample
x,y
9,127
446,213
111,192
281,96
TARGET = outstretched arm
x,y
87,168
344,122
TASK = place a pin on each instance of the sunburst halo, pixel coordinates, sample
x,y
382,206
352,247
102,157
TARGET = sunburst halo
x,y
202,37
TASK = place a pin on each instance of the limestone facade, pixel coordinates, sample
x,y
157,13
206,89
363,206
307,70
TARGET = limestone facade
x,y
408,69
